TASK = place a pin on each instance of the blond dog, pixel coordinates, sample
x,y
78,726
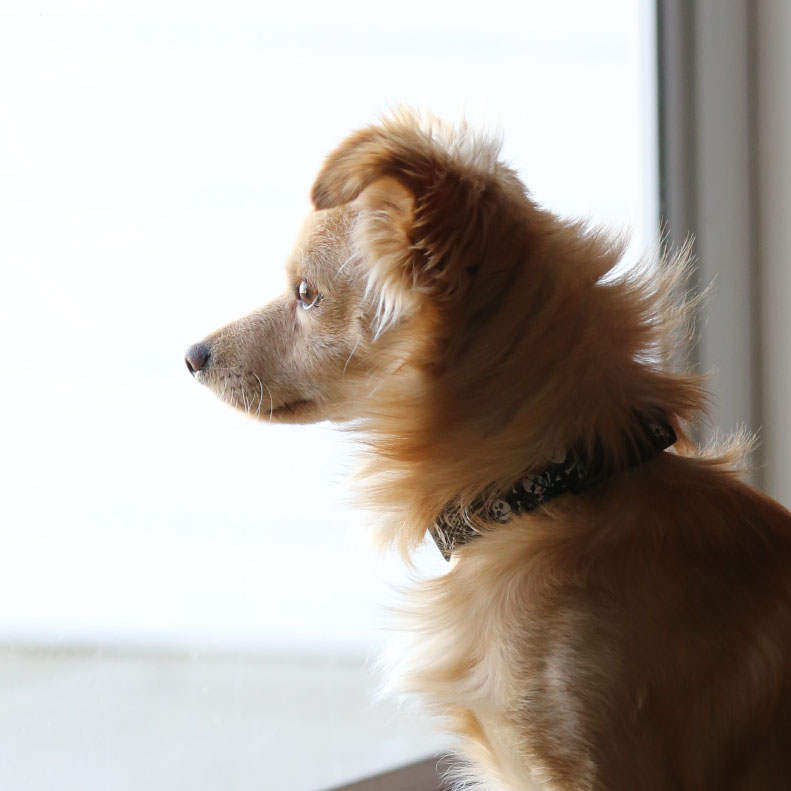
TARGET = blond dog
x,y
618,611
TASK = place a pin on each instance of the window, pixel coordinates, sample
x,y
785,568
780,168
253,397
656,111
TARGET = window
x,y
186,598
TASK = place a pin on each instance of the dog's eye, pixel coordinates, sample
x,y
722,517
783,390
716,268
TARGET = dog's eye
x,y
307,294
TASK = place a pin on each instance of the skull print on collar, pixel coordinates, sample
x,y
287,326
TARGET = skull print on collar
x,y
458,525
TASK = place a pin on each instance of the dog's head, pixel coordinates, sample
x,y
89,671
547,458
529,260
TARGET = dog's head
x,y
408,234
468,333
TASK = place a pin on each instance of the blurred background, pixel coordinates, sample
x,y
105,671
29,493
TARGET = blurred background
x,y
187,598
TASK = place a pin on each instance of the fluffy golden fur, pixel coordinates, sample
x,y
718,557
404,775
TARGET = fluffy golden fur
x,y
634,637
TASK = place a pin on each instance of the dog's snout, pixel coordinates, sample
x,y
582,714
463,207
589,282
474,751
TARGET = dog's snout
x,y
197,356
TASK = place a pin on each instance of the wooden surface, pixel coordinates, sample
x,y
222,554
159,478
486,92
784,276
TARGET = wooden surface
x,y
421,776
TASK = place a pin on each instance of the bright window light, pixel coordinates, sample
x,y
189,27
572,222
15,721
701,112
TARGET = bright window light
x,y
155,163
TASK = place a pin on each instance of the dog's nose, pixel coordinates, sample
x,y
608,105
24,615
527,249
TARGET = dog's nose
x,y
197,356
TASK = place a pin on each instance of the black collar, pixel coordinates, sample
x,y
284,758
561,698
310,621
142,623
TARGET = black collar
x,y
457,525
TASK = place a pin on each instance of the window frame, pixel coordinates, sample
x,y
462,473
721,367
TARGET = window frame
x,y
724,80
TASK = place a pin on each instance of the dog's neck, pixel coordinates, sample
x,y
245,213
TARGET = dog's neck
x,y
575,473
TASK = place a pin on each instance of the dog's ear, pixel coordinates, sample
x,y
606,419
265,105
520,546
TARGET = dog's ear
x,y
382,238
427,195
361,159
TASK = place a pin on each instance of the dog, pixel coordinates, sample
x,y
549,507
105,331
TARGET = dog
x,y
617,613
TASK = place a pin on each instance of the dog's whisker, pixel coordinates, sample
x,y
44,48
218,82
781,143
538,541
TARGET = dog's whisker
x,y
271,403
354,349
346,263
261,395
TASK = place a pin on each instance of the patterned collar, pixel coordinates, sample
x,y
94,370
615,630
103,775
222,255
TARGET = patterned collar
x,y
458,525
